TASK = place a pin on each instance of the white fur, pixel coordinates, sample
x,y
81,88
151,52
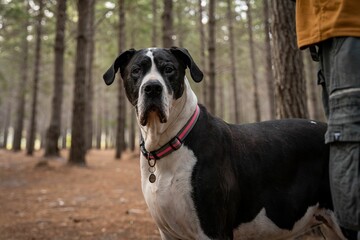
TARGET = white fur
x,y
169,197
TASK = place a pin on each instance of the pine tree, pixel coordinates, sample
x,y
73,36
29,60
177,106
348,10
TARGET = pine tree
x,y
78,147
290,91
35,87
53,132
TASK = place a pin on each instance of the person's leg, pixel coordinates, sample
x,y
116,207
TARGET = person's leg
x,y
340,64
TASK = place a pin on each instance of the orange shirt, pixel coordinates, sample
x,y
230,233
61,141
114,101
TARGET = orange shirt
x,y
318,20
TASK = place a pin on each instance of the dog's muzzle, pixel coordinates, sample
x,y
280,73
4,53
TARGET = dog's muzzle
x,y
152,92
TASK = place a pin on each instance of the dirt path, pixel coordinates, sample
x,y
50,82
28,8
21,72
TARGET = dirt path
x,y
102,201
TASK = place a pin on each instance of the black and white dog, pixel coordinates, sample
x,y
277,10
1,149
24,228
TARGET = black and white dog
x,y
203,178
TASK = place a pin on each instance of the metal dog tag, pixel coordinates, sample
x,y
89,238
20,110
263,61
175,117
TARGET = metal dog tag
x,y
152,178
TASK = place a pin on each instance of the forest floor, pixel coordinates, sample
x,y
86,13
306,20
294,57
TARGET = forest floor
x,y
100,201
58,202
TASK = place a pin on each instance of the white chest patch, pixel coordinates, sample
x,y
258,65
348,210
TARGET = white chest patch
x,y
169,197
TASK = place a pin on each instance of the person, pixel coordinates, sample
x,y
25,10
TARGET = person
x,y
331,29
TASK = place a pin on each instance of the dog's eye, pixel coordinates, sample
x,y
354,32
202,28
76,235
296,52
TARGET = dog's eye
x,y
135,71
168,70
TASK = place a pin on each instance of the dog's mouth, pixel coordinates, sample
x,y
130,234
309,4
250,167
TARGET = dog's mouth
x,y
151,111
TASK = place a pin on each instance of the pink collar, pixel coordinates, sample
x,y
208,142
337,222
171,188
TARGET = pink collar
x,y
175,143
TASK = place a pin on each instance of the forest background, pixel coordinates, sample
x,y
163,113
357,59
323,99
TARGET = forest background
x,y
53,55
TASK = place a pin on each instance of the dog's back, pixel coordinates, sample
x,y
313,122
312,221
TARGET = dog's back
x,y
269,177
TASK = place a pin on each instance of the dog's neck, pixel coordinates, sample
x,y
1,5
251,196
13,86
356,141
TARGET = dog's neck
x,y
156,134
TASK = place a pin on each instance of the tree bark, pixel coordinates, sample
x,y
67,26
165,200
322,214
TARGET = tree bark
x,y
167,27
33,118
53,132
120,133
106,120
63,138
233,61
132,120
132,130
89,80
78,148
21,89
315,109
253,64
269,76
180,27
98,130
154,23
290,86
202,52
212,56
99,118
221,100
7,122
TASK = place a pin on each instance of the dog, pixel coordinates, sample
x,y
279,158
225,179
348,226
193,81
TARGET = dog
x,y
203,178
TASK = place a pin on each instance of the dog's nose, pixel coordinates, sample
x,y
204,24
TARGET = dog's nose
x,y
153,89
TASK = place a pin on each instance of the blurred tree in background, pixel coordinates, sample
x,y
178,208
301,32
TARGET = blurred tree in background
x,y
233,53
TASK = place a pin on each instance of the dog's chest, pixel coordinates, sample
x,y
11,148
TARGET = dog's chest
x,y
169,197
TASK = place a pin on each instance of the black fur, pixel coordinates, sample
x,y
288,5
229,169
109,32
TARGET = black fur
x,y
277,165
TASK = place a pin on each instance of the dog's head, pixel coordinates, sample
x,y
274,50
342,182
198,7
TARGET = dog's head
x,y
153,79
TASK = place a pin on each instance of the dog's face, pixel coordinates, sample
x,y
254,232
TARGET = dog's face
x,y
153,79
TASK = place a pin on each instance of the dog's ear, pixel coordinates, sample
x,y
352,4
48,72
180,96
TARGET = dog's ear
x,y
120,62
185,56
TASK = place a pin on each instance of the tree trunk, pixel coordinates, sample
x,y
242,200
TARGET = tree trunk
x,y
7,122
21,90
98,130
212,55
42,139
106,120
53,132
154,23
120,133
202,52
315,109
221,101
89,81
63,138
167,27
78,148
269,76
290,91
33,118
99,116
253,64
180,27
132,130
233,61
